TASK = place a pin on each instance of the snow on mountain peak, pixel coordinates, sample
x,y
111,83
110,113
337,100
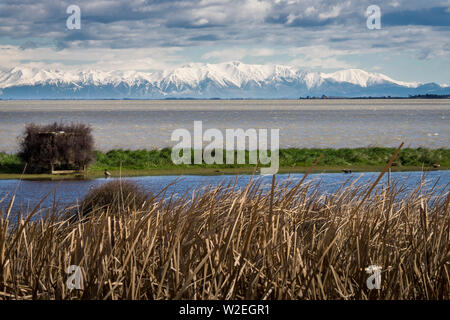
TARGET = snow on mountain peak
x,y
363,78
197,77
233,73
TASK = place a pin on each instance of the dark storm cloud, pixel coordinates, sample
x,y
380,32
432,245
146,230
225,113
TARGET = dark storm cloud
x,y
206,37
28,45
427,17
339,39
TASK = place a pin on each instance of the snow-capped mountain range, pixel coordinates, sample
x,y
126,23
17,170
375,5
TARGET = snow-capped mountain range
x,y
204,81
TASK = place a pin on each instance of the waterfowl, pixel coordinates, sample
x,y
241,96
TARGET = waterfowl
x,y
107,174
346,171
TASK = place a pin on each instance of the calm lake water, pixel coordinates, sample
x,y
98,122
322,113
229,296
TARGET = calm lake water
x,y
67,193
302,123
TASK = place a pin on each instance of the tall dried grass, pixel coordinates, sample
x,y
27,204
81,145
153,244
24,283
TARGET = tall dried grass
x,y
289,242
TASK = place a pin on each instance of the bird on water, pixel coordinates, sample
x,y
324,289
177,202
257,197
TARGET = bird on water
x,y
107,174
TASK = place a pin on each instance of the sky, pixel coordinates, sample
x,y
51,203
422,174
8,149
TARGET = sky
x,y
412,43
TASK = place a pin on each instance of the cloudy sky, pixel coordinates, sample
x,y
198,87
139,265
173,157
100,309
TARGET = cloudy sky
x,y
412,44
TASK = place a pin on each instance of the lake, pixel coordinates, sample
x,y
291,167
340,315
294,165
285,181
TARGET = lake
x,y
68,193
134,124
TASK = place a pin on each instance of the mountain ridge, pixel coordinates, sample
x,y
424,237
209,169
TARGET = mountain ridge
x,y
204,81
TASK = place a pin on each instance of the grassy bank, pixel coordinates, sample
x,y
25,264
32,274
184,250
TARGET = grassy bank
x,y
158,162
154,159
288,243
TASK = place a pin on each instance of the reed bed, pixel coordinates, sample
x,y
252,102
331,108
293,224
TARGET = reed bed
x,y
287,241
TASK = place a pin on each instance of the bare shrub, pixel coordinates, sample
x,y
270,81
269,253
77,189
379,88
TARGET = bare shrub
x,y
66,146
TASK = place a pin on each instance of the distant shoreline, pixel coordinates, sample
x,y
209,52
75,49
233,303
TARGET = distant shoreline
x,y
207,172
426,96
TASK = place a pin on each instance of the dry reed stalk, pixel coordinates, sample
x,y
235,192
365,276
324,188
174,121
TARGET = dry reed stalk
x,y
289,242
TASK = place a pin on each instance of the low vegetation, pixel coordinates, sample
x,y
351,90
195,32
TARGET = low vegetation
x,y
10,163
143,159
115,195
334,159
282,241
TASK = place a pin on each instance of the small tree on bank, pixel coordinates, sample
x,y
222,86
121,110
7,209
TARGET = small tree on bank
x,y
56,145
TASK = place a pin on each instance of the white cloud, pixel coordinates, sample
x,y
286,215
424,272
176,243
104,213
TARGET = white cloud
x,y
335,11
320,63
237,54
201,22
318,57
310,11
91,58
